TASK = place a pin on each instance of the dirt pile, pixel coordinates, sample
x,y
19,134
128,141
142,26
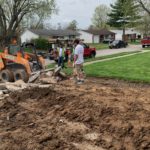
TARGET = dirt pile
x,y
99,115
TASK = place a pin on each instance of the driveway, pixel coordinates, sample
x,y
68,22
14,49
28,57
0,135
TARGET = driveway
x,y
130,48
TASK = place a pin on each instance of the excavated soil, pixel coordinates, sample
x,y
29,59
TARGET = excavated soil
x,y
99,115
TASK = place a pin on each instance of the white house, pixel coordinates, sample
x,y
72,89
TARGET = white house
x,y
30,34
130,34
96,36
88,37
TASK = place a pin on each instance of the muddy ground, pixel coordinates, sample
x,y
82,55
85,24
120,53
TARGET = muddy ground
x,y
99,115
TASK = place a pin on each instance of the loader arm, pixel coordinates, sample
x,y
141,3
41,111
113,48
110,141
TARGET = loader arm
x,y
41,61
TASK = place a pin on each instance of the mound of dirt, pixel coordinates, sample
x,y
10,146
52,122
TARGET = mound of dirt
x,y
99,115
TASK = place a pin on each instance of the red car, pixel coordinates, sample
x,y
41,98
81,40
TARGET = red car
x,y
89,52
145,42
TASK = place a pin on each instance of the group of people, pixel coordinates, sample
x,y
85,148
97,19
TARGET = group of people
x,y
78,60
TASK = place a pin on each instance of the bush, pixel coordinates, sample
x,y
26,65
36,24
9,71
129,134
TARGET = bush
x,y
41,43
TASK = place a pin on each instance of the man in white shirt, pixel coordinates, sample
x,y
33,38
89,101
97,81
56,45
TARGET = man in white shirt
x,y
78,61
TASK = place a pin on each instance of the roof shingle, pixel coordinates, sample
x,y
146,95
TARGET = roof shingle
x,y
45,32
99,32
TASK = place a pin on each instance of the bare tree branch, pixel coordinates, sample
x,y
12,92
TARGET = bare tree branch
x,y
12,12
143,6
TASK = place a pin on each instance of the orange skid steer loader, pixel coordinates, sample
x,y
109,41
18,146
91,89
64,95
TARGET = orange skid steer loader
x,y
16,64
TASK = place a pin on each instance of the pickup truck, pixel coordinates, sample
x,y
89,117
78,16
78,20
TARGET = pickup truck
x,y
145,42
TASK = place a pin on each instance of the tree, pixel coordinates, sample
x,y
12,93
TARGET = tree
x,y
73,25
91,27
145,5
144,25
100,16
124,13
14,11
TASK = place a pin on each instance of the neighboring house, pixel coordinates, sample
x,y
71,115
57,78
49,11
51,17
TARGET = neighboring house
x,y
96,36
30,34
130,34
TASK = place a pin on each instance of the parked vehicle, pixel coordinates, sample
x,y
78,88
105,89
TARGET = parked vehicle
x,y
145,42
89,52
118,44
17,64
107,41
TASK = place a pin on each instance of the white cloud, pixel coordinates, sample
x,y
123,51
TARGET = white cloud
x,y
80,10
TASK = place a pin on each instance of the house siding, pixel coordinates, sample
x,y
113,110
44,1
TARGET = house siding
x,y
27,36
130,33
87,37
93,37
96,39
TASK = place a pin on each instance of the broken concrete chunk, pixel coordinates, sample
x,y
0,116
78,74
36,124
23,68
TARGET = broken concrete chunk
x,y
1,93
57,70
19,82
50,73
34,77
44,86
62,74
2,86
48,80
13,88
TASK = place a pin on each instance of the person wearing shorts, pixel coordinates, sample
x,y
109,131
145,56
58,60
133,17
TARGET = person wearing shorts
x,y
78,61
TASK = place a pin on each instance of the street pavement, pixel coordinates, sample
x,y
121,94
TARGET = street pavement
x,y
130,48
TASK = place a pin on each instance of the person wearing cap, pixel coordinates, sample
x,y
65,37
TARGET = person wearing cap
x,y
78,61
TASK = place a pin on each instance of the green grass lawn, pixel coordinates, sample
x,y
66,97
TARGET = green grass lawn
x,y
147,48
51,66
137,42
28,50
109,56
99,46
133,68
69,70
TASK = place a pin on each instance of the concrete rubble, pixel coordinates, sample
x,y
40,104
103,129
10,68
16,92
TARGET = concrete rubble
x,y
43,79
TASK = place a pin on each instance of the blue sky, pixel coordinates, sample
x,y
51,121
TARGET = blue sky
x,y
80,10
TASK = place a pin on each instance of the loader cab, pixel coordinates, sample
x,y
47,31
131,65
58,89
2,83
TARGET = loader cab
x,y
13,49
